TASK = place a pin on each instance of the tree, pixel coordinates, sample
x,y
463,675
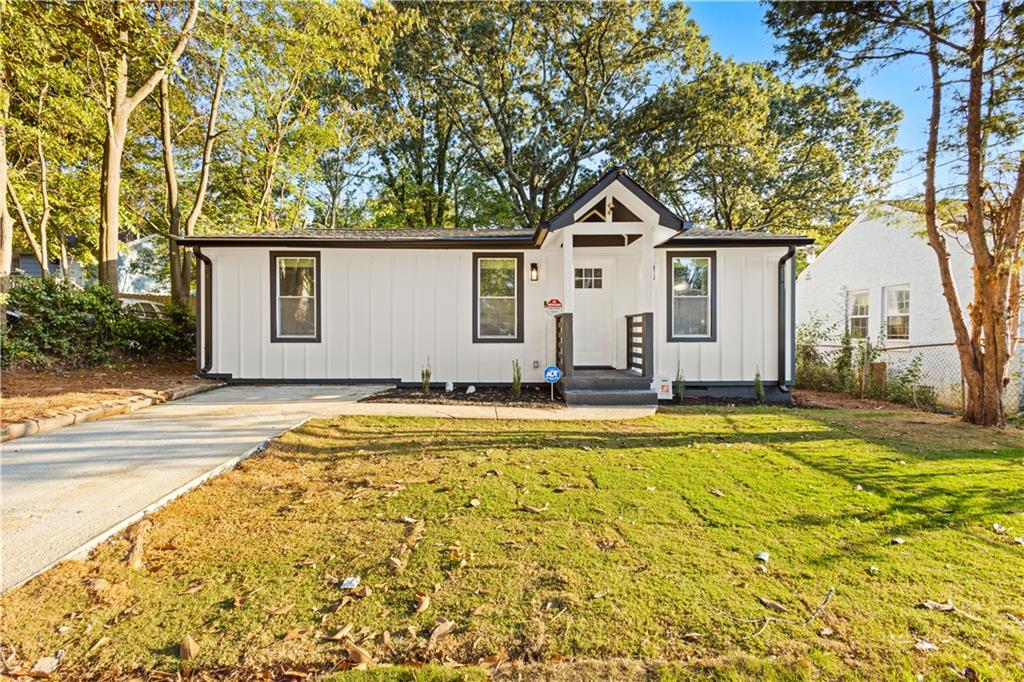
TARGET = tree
x,y
538,90
180,270
975,57
123,35
739,147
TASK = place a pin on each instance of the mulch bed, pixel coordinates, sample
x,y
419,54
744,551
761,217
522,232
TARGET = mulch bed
x,y
32,394
531,396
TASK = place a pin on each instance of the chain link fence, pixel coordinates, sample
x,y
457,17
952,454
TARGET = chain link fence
x,y
925,375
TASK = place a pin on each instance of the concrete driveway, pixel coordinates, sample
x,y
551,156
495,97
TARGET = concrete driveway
x,y
62,492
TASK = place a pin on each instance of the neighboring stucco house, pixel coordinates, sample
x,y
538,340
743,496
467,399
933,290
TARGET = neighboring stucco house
x,y
615,289
879,279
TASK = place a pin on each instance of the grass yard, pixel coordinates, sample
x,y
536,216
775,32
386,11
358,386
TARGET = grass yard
x,y
621,550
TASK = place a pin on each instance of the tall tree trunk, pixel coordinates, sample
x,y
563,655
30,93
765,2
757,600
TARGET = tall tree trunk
x,y
120,106
171,184
65,264
25,225
44,186
204,172
6,220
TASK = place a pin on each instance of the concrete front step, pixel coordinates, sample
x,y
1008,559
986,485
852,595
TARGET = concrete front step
x,y
624,381
610,396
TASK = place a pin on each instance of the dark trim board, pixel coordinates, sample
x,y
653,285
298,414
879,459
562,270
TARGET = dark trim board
x,y
520,298
274,337
745,242
526,242
712,292
737,389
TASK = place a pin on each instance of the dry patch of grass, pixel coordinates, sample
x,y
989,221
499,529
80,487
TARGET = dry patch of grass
x,y
620,550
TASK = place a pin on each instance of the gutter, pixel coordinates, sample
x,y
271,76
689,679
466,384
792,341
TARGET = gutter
x,y
784,385
204,305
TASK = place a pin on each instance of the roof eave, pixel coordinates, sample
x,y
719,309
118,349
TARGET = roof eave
x,y
527,241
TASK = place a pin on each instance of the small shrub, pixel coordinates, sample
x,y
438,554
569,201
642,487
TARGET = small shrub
x,y
425,378
678,385
517,379
759,392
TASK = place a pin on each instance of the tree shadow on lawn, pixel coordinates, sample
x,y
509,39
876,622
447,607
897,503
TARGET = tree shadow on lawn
x,y
939,497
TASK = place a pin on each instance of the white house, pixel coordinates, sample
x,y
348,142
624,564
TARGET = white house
x,y
879,279
616,290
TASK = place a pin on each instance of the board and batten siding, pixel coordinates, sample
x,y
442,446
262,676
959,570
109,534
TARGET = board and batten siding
x,y
746,338
385,312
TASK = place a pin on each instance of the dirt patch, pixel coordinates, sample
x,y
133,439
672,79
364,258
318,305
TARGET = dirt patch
x,y
531,396
31,394
840,401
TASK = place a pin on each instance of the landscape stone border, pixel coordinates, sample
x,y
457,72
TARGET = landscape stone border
x,y
142,398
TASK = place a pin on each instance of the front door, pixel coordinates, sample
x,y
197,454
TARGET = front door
x,y
593,316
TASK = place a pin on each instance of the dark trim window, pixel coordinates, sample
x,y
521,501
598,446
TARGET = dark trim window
x,y
497,298
691,296
589,278
295,297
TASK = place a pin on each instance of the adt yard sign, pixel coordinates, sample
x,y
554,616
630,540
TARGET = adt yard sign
x,y
551,375
552,307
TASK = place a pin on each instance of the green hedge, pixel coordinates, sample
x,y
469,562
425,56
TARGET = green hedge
x,y
67,327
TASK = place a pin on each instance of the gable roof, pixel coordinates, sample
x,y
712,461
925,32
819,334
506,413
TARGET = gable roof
x,y
564,217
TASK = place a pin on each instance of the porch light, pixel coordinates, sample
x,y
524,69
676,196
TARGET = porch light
x,y
534,272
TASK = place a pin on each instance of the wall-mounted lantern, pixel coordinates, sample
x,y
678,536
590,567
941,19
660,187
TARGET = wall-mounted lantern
x,y
534,272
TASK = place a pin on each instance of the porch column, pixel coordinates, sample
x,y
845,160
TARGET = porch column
x,y
567,270
647,266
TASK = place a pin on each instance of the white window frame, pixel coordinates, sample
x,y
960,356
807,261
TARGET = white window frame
x,y
887,313
866,315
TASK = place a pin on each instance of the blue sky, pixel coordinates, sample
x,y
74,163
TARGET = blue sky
x,y
736,30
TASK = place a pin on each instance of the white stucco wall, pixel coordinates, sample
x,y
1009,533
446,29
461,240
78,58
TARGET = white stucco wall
x,y
877,251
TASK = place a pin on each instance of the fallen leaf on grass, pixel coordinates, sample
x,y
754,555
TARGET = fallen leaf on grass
x,y
826,631
773,605
363,591
598,595
340,634
693,636
936,606
477,611
717,493
188,648
475,502
357,654
924,645
494,660
1019,541
999,529
533,510
44,666
193,587
294,674
443,628
423,604
294,633
281,610
897,541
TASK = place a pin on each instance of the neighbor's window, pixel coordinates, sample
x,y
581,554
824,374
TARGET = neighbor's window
x,y
897,313
589,278
498,284
691,296
858,318
296,289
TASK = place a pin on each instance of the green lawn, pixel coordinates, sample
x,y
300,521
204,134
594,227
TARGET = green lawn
x,y
597,551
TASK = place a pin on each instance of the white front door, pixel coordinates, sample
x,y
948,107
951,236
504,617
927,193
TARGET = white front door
x,y
593,320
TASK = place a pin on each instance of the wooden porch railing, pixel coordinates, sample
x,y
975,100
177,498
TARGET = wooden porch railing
x,y
563,343
640,343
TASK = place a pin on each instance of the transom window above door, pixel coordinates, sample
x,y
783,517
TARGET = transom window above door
x,y
589,278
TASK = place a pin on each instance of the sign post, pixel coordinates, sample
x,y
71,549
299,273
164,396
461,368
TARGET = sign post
x,y
552,375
